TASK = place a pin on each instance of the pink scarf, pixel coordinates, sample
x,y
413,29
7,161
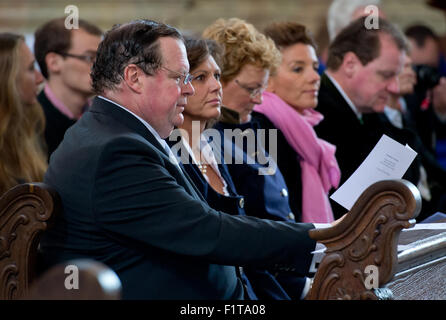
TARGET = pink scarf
x,y
319,168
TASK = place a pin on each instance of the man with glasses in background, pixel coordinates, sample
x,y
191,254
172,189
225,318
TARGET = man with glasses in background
x,y
65,57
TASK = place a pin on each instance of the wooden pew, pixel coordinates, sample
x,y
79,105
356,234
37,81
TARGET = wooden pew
x,y
367,236
421,270
365,240
26,211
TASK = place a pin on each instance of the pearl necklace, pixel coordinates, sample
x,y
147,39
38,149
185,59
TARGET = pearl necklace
x,y
203,167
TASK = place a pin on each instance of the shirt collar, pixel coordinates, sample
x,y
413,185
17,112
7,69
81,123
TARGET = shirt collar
x,y
344,95
148,126
208,156
59,105
229,116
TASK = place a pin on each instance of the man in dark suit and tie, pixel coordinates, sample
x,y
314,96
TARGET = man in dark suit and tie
x,y
362,70
126,201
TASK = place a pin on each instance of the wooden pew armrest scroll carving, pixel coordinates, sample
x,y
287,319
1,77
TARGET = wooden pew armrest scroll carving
x,y
367,236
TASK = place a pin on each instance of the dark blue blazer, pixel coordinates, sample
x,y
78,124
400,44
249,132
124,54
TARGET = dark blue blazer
x,y
127,205
288,163
266,196
260,284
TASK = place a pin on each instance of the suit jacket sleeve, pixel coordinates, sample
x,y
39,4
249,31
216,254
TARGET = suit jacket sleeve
x,y
138,198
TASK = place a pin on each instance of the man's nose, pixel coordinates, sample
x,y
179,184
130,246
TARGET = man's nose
x,y
188,89
393,86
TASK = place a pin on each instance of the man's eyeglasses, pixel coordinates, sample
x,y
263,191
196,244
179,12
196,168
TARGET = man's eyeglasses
x,y
253,92
85,58
184,78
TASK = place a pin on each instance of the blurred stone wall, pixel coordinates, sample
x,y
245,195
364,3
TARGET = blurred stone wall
x,y
25,16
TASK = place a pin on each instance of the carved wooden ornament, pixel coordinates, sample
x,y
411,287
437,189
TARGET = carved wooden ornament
x,y
25,212
366,236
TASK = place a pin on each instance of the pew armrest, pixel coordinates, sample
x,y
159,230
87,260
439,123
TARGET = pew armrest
x,y
365,242
25,212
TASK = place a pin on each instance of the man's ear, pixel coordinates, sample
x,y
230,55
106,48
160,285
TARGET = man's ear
x,y
53,62
350,64
132,77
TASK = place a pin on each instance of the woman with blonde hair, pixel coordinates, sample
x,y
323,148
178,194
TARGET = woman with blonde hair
x,y
248,60
21,118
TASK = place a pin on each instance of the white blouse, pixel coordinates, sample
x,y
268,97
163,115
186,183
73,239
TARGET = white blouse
x,y
208,158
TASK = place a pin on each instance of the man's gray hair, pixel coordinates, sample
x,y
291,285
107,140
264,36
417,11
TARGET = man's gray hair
x,y
135,42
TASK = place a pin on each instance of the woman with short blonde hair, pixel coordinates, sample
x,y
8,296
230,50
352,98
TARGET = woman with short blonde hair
x,y
243,45
248,61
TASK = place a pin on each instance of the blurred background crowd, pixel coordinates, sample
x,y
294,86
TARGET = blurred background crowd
x,y
330,87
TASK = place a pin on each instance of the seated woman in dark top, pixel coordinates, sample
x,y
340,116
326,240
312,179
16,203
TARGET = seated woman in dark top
x,y
307,163
21,118
191,145
248,59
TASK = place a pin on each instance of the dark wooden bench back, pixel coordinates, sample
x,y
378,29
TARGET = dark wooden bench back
x,y
367,236
25,212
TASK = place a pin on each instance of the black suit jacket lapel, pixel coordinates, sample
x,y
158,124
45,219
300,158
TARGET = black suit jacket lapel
x,y
192,184
329,91
130,121
126,118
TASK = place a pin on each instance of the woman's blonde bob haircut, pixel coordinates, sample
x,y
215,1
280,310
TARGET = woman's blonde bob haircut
x,y
242,44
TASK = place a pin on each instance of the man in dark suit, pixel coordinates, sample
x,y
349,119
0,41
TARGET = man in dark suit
x,y
126,201
65,57
362,70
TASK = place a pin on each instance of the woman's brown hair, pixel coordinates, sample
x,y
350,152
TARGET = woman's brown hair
x,y
285,34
